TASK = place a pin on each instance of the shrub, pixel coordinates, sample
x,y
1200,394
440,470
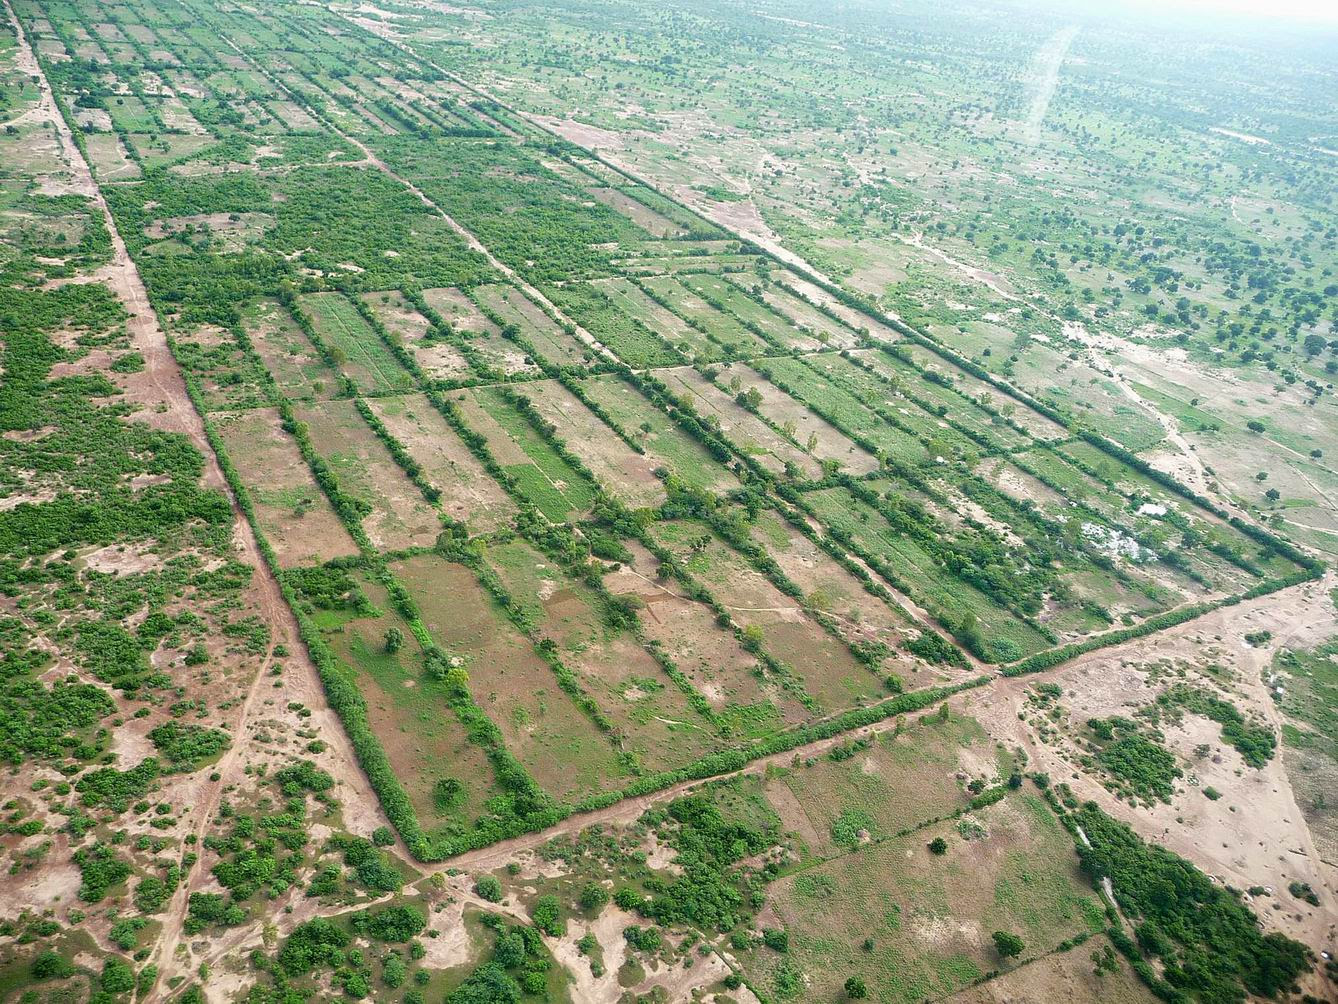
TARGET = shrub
x,y
489,888
1007,944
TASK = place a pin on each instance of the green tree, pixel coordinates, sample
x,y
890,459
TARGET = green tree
x,y
1007,944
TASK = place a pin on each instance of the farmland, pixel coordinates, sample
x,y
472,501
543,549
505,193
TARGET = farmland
x,y
496,507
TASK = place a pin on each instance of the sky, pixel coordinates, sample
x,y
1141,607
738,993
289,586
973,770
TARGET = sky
x,y
1322,11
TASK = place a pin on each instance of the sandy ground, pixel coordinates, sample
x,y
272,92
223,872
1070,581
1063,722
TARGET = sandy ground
x,y
1255,834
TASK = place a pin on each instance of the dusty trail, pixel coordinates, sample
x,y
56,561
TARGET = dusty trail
x,y
168,384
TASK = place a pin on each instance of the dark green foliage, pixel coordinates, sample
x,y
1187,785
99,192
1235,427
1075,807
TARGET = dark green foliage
x,y
547,916
1147,768
318,942
51,965
855,989
393,923
938,846
187,747
1210,942
708,894
100,868
594,896
1007,944
488,984
489,888
117,976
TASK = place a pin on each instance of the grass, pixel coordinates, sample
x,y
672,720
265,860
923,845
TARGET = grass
x,y
554,486
366,358
928,918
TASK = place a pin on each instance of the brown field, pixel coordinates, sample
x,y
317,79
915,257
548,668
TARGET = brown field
x,y
109,159
626,474
562,749
484,336
290,507
740,426
825,666
468,492
287,353
783,410
397,314
400,516
536,327
707,654
651,715
456,310
859,616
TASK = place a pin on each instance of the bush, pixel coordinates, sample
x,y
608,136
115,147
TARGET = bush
x,y
1007,944
938,846
855,989
489,888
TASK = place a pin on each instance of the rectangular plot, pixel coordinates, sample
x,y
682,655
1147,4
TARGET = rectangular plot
x,y
854,319
820,438
859,616
468,493
732,336
484,337
536,327
746,431
641,214
409,713
926,918
365,357
945,440
400,517
593,312
665,443
397,314
897,782
557,743
624,473
667,325
548,481
719,291
944,595
710,656
288,354
799,312
847,411
652,716
824,666
290,507
969,386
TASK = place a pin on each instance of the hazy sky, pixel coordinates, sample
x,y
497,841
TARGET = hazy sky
x,y
1309,10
